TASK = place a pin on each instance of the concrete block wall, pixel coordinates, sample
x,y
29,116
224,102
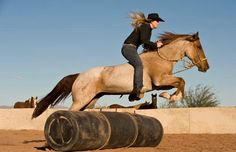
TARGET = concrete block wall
x,y
220,120
18,119
196,120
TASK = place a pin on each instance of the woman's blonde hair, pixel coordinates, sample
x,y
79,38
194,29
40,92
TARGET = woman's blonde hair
x,y
138,18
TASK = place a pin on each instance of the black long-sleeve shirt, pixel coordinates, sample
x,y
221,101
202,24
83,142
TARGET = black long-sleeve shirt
x,y
141,35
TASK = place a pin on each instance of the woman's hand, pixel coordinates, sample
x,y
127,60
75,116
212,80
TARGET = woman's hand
x,y
159,44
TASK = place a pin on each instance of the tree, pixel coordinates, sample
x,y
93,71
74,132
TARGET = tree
x,y
200,96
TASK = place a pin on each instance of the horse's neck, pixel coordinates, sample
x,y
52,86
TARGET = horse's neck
x,y
165,58
173,51
154,101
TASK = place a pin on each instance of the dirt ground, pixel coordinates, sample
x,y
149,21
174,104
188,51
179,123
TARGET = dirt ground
x,y
26,140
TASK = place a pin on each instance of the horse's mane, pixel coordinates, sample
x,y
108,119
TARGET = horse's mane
x,y
166,38
169,37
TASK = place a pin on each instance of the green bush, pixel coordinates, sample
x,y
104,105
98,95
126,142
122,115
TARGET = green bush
x,y
200,96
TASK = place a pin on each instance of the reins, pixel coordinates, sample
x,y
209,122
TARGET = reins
x,y
185,67
190,66
164,57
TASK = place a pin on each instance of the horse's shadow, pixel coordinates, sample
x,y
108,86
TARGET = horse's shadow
x,y
43,147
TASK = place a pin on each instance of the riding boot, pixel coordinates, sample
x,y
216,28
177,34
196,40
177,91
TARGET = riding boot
x,y
135,94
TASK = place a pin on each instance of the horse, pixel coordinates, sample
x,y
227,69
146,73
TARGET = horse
x,y
29,103
145,105
87,87
152,105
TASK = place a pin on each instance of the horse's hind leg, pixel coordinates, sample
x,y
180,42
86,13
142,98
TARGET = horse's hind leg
x,y
92,103
80,103
82,96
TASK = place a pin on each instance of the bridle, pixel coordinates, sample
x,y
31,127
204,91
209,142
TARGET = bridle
x,y
190,65
199,59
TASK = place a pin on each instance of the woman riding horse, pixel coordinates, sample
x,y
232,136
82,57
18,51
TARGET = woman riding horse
x,y
141,35
88,86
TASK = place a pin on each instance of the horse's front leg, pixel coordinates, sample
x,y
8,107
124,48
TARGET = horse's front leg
x,y
176,82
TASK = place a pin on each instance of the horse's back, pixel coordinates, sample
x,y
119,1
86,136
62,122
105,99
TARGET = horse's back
x,y
116,106
106,72
112,79
22,105
87,79
19,105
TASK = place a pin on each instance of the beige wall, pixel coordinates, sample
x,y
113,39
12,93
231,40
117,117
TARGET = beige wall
x,y
180,120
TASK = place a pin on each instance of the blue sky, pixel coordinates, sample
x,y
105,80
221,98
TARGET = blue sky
x,y
42,41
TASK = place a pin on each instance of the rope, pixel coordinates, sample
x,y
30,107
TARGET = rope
x,y
164,57
190,66
185,68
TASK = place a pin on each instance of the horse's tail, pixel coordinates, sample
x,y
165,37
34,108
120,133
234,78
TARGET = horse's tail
x,y
60,92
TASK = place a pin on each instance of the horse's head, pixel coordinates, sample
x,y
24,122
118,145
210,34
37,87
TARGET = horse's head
x,y
176,46
33,102
195,53
154,97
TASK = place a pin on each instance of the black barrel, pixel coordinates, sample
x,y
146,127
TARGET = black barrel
x,y
71,131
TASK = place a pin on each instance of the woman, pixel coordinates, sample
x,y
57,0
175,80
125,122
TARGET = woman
x,y
140,36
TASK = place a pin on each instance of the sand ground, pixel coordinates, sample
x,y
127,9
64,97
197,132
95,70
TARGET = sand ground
x,y
26,140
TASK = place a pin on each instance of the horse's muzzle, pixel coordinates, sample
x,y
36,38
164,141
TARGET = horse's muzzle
x,y
204,67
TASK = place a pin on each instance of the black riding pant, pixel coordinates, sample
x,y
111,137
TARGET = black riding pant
x,y
130,52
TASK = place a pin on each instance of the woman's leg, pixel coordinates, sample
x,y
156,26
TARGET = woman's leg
x,y
131,54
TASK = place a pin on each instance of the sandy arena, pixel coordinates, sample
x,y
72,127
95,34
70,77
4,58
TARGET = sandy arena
x,y
26,140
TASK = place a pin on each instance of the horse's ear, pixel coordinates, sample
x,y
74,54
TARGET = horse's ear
x,y
196,36
154,95
197,33
193,37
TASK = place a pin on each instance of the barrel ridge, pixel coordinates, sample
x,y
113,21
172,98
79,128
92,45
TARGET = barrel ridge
x,y
55,132
149,134
136,129
109,132
122,129
93,130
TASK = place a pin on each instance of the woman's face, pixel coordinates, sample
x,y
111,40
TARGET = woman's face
x,y
154,24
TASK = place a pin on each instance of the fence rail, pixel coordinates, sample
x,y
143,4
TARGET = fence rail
x,y
219,120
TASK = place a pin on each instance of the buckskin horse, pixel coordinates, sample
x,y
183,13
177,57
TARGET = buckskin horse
x,y
87,87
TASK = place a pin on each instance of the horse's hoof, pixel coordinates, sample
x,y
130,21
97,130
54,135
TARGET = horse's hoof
x,y
176,97
165,95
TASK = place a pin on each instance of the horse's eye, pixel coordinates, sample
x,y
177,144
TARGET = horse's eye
x,y
200,47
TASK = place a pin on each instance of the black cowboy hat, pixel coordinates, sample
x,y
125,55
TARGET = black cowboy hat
x,y
155,17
